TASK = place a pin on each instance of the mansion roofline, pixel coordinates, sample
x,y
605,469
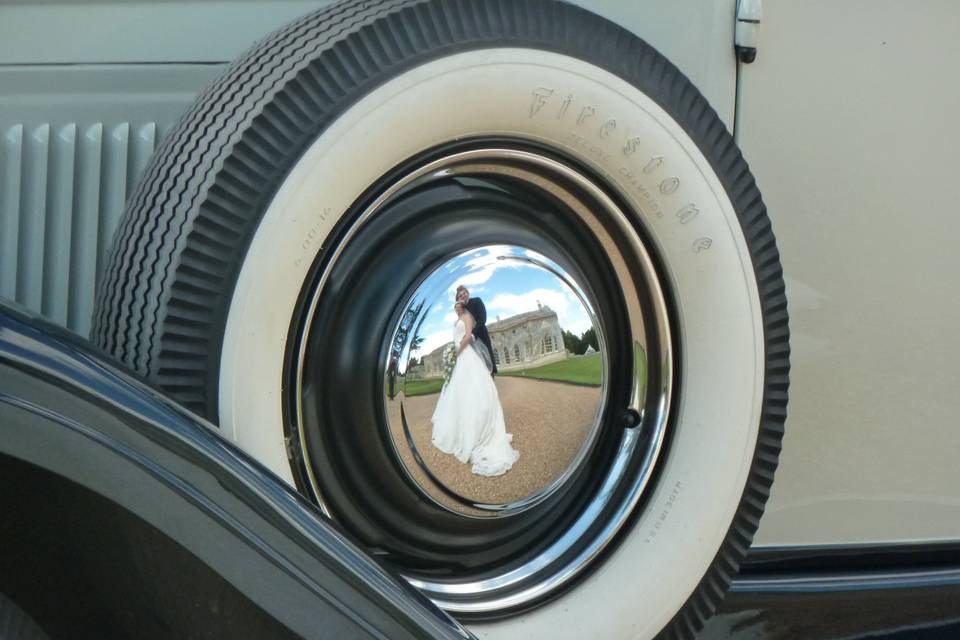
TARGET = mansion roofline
x,y
520,318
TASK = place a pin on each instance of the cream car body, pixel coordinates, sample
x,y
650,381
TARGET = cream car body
x,y
846,118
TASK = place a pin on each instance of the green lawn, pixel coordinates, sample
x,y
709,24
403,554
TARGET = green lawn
x,y
423,387
583,370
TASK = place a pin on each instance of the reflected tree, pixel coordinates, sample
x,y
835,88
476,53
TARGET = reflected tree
x,y
589,339
572,343
578,345
407,324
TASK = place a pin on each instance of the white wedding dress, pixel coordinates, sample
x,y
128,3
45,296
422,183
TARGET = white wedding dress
x,y
468,420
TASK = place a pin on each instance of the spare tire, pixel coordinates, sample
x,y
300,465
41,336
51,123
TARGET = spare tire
x,y
272,220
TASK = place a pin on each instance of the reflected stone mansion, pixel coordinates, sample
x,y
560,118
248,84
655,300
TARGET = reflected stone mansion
x,y
522,341
527,339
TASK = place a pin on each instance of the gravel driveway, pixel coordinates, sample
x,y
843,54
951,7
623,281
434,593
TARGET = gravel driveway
x,y
549,422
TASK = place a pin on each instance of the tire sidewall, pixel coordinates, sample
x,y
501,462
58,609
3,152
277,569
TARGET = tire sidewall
x,y
617,132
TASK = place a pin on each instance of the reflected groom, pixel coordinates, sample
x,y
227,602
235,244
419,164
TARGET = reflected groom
x,y
479,312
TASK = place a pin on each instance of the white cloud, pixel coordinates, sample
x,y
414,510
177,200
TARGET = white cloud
x,y
473,279
569,311
481,266
434,340
511,304
576,323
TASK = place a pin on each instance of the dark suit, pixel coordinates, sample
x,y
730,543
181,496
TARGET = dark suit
x,y
479,313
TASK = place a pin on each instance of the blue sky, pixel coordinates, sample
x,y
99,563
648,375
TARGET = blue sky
x,y
506,285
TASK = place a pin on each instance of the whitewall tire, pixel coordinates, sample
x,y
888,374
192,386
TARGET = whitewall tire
x,y
214,260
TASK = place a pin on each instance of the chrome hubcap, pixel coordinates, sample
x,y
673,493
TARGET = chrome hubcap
x,y
516,222
555,398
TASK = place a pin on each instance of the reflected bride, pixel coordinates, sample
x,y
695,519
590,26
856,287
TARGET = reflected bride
x,y
468,420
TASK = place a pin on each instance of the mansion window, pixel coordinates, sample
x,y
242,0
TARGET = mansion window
x,y
548,344
516,351
496,357
506,355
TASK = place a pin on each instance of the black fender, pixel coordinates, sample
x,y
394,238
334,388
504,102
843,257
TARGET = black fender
x,y
68,409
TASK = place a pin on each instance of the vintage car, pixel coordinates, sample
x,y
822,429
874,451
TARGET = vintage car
x,y
231,238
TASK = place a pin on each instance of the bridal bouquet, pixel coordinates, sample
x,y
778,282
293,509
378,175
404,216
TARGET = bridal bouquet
x,y
449,361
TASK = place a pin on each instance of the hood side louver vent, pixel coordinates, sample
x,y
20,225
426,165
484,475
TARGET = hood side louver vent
x,y
62,192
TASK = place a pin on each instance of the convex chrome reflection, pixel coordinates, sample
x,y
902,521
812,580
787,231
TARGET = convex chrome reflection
x,y
493,421
532,237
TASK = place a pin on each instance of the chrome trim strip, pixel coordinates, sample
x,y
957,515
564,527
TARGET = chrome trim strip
x,y
847,581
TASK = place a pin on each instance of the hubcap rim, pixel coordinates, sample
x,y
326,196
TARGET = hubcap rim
x,y
636,429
